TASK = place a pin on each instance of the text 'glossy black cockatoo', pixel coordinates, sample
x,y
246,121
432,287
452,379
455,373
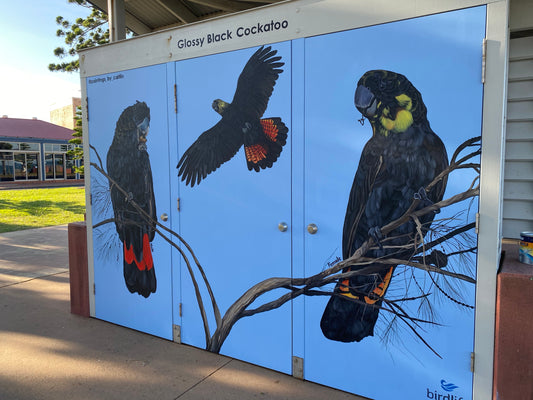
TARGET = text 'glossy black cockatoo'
x,y
128,164
241,124
403,156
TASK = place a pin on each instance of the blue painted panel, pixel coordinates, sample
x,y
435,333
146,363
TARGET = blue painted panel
x,y
108,96
441,56
298,184
231,218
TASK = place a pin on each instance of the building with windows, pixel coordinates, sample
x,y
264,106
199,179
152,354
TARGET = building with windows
x,y
35,150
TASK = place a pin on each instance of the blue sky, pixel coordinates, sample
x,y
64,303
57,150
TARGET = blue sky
x,y
27,41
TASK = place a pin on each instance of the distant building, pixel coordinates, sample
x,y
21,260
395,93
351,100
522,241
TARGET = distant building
x,y
31,149
65,116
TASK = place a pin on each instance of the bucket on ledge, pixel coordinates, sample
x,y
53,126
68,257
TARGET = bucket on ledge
x,y
525,254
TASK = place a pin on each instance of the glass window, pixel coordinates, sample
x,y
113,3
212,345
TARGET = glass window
x,y
49,166
6,166
9,146
29,146
70,165
20,166
32,165
59,164
80,163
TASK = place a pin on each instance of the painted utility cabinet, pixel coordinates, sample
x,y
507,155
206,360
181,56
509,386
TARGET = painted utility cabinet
x,y
230,184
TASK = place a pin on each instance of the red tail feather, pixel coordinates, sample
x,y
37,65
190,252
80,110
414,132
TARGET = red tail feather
x,y
270,129
147,263
255,153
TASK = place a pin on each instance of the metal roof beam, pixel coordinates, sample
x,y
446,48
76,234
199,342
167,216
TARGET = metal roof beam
x,y
259,1
226,5
134,24
178,9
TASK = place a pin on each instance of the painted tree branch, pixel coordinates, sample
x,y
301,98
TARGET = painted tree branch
x,y
308,286
149,219
239,310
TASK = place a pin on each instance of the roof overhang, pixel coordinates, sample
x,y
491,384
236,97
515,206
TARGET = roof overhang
x,y
146,16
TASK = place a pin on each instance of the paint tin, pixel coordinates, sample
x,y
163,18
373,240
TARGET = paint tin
x,y
525,253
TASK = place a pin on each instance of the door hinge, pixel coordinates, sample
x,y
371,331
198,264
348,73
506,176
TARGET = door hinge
x,y
472,361
483,60
87,107
94,288
175,98
181,310
477,224
178,204
91,199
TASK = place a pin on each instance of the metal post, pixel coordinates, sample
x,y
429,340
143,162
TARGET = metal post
x,y
116,17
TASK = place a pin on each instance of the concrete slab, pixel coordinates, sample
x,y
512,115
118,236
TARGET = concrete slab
x,y
32,253
47,353
240,380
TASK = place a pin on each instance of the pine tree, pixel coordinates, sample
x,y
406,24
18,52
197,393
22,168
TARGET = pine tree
x,y
77,152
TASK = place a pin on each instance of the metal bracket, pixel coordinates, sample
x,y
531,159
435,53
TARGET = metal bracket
x,y
87,107
298,367
477,224
176,333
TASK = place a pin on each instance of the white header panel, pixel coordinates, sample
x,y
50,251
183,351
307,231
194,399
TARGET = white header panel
x,y
279,22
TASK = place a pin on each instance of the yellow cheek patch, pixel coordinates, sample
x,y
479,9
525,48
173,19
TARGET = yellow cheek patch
x,y
404,101
403,120
387,123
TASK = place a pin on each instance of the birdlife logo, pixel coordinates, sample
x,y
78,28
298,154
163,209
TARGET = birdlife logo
x,y
448,388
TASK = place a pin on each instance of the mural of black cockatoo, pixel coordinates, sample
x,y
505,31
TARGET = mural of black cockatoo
x,y
128,164
241,124
403,156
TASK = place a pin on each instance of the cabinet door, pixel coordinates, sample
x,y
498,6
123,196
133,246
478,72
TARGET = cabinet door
x,y
230,219
114,103
441,56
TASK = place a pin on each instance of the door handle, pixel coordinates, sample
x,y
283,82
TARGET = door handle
x,y
282,226
312,229
164,217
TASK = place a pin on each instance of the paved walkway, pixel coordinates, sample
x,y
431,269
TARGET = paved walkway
x,y
48,353
39,184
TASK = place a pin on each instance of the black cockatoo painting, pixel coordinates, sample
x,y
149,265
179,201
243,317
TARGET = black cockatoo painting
x,y
402,157
241,124
128,164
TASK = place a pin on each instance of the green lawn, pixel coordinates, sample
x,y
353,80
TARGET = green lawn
x,y
35,208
